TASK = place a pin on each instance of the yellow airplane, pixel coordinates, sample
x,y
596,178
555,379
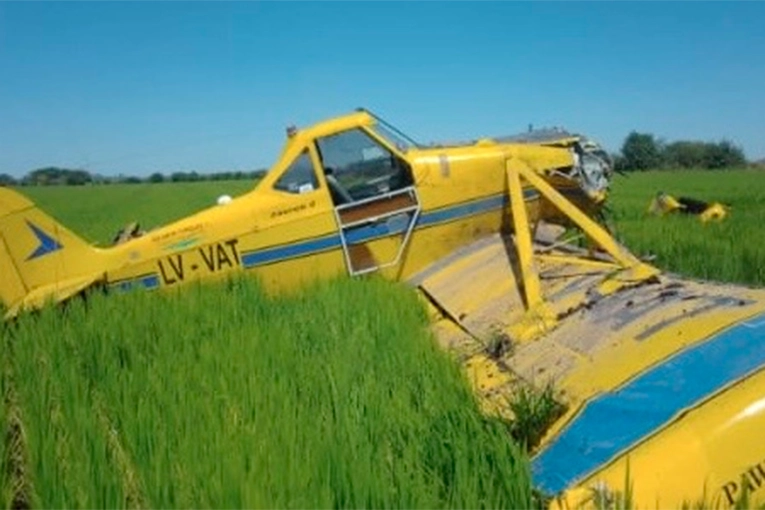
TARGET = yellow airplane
x,y
661,378
664,204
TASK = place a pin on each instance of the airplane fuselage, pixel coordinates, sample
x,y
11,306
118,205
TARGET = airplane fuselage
x,y
444,198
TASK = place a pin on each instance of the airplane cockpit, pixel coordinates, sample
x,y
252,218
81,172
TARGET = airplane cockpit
x,y
358,167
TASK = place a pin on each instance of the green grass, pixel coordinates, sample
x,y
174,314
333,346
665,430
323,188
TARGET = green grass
x,y
4,467
337,397
535,410
727,251
731,250
66,452
97,212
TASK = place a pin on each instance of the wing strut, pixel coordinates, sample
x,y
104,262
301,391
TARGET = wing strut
x,y
628,269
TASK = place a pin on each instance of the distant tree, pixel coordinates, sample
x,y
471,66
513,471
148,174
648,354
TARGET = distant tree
x,y
724,154
640,151
685,154
7,180
42,176
76,177
696,154
618,162
53,175
64,176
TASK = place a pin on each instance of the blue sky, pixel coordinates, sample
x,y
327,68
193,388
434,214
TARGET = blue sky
x,y
135,88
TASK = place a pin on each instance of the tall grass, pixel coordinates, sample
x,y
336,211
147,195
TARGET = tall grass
x,y
728,251
5,488
66,451
336,397
98,212
731,250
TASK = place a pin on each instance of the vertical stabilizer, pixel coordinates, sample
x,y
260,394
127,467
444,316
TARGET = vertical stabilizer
x,y
40,259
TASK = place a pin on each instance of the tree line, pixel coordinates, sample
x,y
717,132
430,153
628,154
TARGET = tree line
x,y
57,176
640,151
643,151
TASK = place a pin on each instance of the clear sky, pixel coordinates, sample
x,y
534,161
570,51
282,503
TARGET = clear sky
x,y
135,88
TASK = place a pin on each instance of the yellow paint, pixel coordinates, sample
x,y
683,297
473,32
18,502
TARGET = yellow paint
x,y
211,243
703,457
715,212
522,226
479,287
664,204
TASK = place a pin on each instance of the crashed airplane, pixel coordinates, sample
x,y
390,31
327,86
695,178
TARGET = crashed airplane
x,y
661,377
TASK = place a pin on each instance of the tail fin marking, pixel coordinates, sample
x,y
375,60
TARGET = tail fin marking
x,y
47,243
40,259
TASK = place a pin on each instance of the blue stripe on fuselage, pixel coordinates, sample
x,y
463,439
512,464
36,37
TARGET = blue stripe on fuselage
x,y
149,282
615,421
462,210
368,233
256,258
355,235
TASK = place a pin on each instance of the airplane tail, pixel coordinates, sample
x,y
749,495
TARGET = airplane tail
x,y
40,259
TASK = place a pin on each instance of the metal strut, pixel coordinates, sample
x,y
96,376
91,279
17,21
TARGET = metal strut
x,y
628,269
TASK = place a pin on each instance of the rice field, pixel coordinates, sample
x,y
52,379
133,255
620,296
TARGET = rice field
x,y
732,250
218,397
96,213
334,397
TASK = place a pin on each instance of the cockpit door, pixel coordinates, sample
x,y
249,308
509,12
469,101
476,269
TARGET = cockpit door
x,y
374,232
376,202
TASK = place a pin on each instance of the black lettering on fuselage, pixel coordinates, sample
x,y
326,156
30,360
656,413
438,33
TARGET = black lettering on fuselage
x,y
754,481
207,256
750,481
173,273
761,471
220,255
215,257
730,489
232,245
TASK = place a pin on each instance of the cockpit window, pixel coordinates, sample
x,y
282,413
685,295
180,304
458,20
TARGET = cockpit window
x,y
396,140
359,167
300,177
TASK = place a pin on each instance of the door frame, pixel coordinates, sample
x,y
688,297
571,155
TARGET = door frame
x,y
379,211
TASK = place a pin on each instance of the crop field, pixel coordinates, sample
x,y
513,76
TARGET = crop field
x,y
333,397
732,250
96,213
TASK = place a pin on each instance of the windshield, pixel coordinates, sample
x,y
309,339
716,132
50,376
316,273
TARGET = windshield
x,y
396,140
